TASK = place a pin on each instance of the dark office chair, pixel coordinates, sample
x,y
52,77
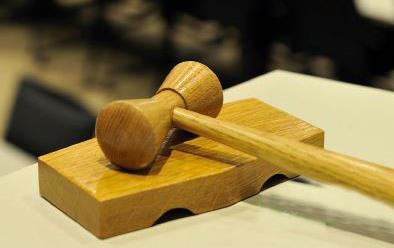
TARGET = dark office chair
x,y
43,120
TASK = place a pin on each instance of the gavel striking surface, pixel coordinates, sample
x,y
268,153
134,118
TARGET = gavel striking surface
x,y
199,175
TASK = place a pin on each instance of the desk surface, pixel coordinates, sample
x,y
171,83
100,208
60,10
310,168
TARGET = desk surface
x,y
13,158
357,120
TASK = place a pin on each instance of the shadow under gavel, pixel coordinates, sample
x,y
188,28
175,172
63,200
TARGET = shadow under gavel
x,y
131,132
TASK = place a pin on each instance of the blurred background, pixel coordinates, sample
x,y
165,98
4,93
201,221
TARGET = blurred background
x,y
62,60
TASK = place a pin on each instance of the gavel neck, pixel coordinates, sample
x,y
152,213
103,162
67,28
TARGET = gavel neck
x,y
170,98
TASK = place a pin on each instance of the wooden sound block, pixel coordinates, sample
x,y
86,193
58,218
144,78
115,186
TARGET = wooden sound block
x,y
199,175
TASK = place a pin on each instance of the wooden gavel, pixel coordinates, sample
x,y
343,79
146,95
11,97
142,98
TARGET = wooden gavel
x,y
131,133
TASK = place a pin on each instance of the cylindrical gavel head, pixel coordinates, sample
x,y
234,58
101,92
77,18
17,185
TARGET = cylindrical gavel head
x,y
131,132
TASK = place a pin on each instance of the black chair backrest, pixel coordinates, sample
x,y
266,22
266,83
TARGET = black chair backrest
x,y
43,120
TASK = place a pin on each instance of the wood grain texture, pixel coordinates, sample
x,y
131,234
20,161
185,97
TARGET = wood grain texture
x,y
198,85
374,180
129,127
199,175
131,132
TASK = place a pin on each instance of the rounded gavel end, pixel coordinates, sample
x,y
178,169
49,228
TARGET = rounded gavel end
x,y
126,135
198,85
130,133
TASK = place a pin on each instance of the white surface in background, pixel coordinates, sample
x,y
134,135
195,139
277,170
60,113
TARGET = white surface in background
x,y
13,158
357,120
380,10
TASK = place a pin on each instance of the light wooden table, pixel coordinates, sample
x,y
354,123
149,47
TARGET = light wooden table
x,y
358,121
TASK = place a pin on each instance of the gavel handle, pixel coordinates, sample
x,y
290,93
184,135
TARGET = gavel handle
x,y
293,156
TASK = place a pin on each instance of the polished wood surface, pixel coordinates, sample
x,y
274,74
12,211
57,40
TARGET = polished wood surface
x,y
199,175
198,86
131,132
374,180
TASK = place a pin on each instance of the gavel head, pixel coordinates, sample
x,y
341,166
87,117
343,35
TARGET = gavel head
x,y
131,132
